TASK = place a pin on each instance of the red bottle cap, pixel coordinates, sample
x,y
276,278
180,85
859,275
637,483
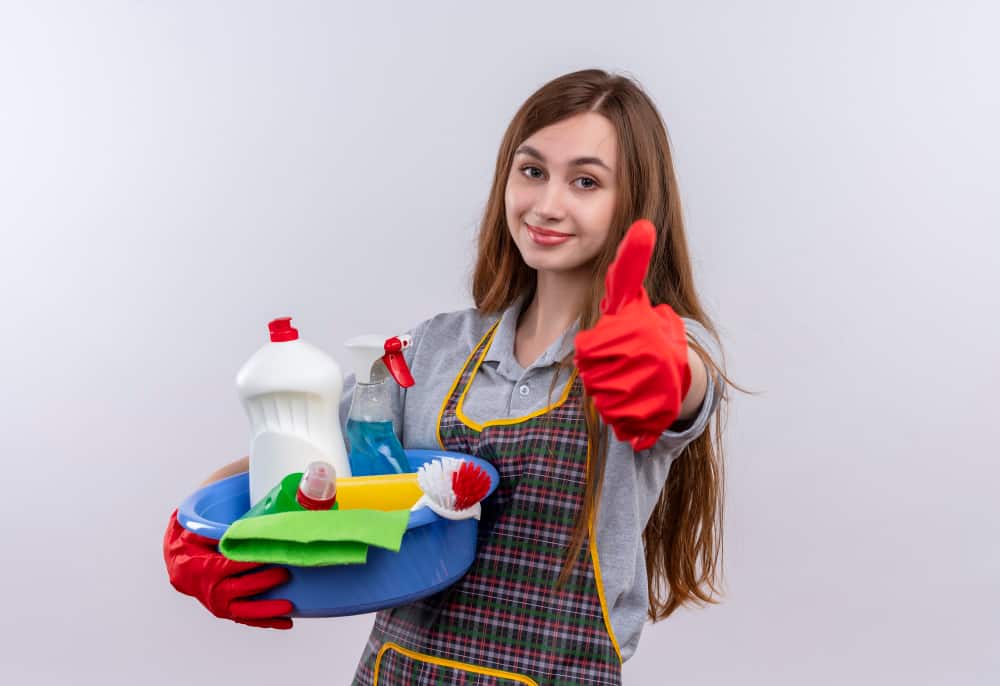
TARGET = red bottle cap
x,y
281,330
314,504
318,486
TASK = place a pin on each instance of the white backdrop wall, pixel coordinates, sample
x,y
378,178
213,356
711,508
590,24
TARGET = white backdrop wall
x,y
173,175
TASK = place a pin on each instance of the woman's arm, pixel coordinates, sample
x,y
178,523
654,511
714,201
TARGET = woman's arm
x,y
699,384
238,467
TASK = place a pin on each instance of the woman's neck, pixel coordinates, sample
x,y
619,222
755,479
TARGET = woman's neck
x,y
552,310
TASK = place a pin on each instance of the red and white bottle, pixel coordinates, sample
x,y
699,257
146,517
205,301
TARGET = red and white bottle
x,y
318,487
291,391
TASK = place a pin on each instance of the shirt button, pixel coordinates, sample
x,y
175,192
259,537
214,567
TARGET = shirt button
x,y
524,390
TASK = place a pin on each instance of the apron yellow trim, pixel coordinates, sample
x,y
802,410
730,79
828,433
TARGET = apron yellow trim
x,y
497,422
599,582
595,560
447,396
420,657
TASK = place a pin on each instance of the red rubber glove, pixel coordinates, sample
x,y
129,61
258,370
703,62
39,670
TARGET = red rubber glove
x,y
634,362
198,569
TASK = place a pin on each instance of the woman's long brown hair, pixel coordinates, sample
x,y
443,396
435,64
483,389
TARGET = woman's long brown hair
x,y
683,538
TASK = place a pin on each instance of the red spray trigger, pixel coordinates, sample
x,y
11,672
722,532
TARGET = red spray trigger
x,y
395,362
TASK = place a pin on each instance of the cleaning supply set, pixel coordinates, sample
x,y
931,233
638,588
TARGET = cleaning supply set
x,y
357,529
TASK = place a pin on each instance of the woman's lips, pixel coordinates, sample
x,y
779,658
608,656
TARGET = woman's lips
x,y
546,237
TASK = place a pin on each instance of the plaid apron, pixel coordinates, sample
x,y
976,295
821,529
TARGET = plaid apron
x,y
505,622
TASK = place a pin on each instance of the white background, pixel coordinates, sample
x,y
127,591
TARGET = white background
x,y
175,174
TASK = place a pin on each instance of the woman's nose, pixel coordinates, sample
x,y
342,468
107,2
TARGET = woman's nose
x,y
550,203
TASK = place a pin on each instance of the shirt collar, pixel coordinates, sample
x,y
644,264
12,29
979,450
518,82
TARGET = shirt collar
x,y
502,349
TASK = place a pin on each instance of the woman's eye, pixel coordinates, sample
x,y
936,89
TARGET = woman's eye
x,y
532,172
587,183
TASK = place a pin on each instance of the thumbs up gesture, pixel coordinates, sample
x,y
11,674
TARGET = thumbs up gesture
x,y
634,361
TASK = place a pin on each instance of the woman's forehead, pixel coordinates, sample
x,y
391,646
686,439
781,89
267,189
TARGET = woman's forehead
x,y
581,137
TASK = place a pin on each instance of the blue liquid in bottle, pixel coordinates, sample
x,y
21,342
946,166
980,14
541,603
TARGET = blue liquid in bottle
x,y
375,449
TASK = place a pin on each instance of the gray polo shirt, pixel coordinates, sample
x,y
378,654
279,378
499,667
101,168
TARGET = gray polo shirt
x,y
504,389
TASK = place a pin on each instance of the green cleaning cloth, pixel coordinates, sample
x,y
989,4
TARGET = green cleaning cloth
x,y
314,538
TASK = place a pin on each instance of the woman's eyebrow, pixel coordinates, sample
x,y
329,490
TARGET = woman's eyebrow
x,y
579,161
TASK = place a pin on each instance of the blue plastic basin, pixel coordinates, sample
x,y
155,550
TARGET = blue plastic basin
x,y
434,554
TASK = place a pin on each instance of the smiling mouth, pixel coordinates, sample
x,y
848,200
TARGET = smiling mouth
x,y
546,232
546,239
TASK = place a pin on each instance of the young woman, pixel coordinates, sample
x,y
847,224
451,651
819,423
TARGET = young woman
x,y
584,320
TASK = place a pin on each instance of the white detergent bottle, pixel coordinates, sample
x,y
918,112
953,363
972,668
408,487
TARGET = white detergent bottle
x,y
291,392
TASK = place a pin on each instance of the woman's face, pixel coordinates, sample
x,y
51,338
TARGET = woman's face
x,y
560,195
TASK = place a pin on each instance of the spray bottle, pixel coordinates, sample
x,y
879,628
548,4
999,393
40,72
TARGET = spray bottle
x,y
290,391
374,448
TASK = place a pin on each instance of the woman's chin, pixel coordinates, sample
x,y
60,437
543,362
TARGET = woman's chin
x,y
556,259
554,266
